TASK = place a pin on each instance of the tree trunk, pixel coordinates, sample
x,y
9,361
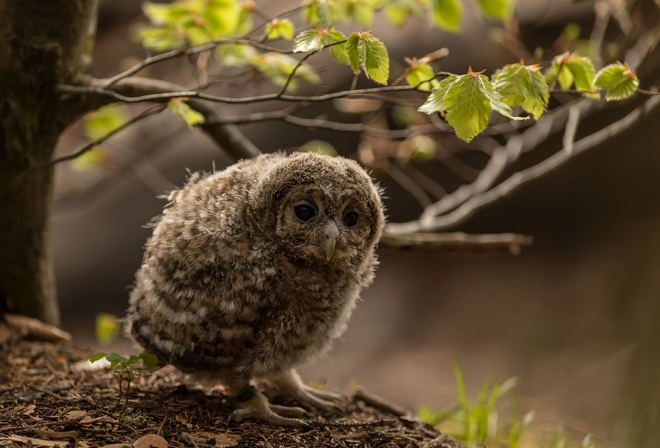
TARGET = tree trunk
x,y
42,44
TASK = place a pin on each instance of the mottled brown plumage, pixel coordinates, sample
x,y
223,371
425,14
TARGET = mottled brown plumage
x,y
254,270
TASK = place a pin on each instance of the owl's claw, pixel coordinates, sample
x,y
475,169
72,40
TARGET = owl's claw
x,y
258,406
320,399
289,384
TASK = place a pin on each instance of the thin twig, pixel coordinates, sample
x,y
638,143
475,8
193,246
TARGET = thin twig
x,y
99,89
407,183
571,128
603,13
89,146
511,243
501,157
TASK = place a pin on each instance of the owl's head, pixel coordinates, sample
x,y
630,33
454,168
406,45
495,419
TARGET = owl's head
x,y
321,208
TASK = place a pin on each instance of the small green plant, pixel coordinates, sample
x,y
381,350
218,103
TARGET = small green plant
x,y
478,423
126,370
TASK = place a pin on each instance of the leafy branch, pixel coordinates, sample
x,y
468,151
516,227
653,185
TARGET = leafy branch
x,y
519,93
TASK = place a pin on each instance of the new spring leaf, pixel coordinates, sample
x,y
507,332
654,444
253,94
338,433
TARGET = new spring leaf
x,y
368,53
185,113
618,81
468,101
447,14
522,85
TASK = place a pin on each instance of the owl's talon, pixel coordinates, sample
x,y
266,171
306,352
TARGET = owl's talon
x,y
289,411
317,399
258,406
290,385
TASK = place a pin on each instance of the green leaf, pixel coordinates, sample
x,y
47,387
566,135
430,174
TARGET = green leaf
x,y
191,22
107,328
277,28
565,77
96,356
417,73
468,106
352,52
158,13
497,9
571,32
103,120
220,17
319,11
583,73
376,62
447,14
319,147
184,112
367,52
521,85
307,41
423,148
496,102
570,68
436,100
397,13
149,359
235,55
362,11
618,81
278,67
114,359
338,51
159,39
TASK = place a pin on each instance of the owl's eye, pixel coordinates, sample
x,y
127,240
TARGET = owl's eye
x,y
304,212
350,219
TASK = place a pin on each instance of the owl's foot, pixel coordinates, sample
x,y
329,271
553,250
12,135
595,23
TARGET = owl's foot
x,y
289,384
253,403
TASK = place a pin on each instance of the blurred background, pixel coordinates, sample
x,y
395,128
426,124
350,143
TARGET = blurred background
x,y
575,316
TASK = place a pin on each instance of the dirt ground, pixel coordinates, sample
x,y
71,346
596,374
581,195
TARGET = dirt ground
x,y
49,397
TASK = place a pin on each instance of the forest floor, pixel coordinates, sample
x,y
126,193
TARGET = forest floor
x,y
50,397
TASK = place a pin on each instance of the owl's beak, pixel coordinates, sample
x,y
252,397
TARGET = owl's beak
x,y
331,233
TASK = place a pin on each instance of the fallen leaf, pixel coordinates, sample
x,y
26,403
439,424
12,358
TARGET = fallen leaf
x,y
75,415
219,440
29,409
150,441
37,442
181,419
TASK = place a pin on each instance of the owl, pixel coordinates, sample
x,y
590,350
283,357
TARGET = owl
x,y
256,269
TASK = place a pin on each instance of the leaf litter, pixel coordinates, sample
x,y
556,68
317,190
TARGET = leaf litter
x,y
50,398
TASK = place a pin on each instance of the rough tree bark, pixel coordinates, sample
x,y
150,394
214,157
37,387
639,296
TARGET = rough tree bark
x,y
42,44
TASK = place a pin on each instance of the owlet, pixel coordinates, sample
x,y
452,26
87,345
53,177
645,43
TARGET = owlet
x,y
256,269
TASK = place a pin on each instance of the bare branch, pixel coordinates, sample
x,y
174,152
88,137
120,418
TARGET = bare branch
x,y
469,207
571,128
227,136
412,187
503,156
457,242
89,146
394,134
140,97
